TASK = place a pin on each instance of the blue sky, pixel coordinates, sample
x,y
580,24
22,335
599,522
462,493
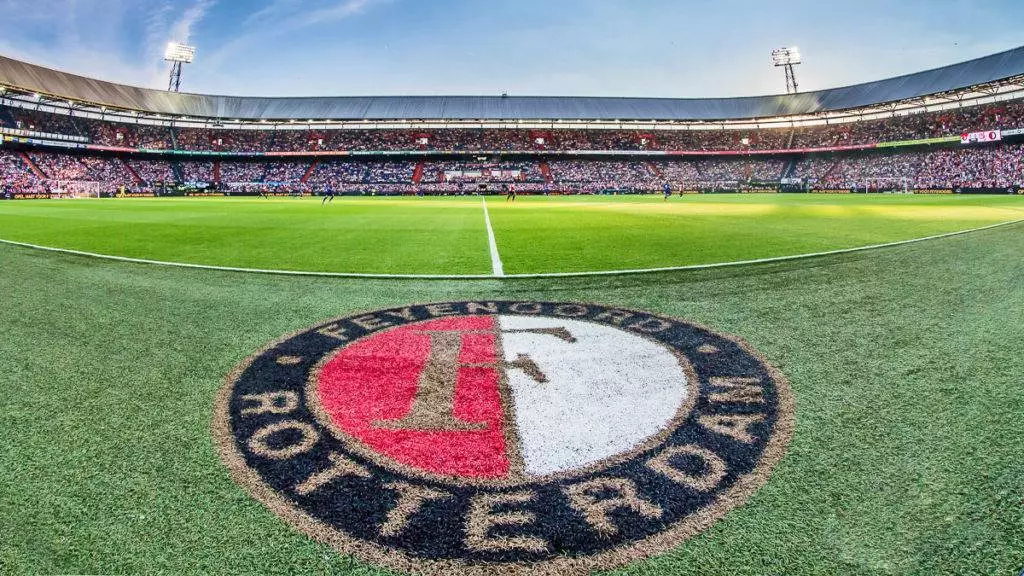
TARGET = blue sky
x,y
686,48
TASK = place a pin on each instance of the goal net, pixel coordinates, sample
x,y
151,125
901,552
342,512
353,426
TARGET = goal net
x,y
76,189
892,184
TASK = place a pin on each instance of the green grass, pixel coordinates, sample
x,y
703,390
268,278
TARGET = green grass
x,y
906,364
579,234
448,235
354,235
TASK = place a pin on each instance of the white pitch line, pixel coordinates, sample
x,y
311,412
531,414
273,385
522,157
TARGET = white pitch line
x,y
497,270
372,276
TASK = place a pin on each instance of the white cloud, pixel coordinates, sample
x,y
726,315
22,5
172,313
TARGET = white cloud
x,y
181,30
282,17
164,24
93,37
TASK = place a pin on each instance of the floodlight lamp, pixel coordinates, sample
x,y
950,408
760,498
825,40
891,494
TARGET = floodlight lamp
x,y
179,53
786,56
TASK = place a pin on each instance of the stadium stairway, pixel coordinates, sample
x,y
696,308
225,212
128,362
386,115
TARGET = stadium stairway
x,y
309,171
79,130
417,174
32,166
787,172
654,169
216,171
131,171
792,135
176,168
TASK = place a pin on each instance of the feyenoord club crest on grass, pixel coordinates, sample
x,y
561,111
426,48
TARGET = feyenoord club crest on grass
x,y
503,437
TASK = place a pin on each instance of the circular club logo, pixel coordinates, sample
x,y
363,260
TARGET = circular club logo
x,y
503,437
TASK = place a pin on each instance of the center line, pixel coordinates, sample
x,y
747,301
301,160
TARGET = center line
x,y
496,268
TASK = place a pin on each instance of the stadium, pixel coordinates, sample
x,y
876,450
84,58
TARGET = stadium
x,y
513,334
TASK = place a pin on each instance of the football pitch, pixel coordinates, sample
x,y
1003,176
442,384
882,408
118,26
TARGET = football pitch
x,y
905,364
449,236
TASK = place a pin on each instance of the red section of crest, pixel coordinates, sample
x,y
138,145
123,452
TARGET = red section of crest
x,y
376,380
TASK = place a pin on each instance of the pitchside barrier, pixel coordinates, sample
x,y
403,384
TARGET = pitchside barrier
x,y
1006,190
180,193
629,191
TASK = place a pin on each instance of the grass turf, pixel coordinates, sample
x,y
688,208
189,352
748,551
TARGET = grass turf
x,y
905,363
350,235
448,235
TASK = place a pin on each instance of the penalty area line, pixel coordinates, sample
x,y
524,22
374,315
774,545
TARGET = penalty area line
x,y
496,267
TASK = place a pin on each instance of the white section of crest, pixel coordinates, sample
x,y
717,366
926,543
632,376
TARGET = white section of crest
x,y
606,393
496,267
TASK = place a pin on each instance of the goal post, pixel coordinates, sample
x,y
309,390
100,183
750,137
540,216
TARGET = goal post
x,y
76,189
886,184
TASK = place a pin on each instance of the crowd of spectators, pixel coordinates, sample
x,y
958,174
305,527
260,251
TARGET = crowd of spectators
x,y
243,172
152,171
678,172
907,127
988,167
913,126
126,135
61,174
60,166
606,174
337,175
107,170
813,168
985,167
16,177
285,173
995,166
36,121
334,174
202,140
197,172
302,139
476,172
390,172
107,173
743,169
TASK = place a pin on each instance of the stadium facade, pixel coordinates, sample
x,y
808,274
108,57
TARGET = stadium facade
x,y
63,132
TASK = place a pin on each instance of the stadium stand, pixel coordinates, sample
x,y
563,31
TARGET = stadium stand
x,y
1006,115
995,167
59,134
153,171
981,167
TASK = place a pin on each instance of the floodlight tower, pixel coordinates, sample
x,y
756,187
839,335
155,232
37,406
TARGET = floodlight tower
x,y
178,54
787,58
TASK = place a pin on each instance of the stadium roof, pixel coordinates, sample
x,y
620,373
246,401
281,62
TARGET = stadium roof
x,y
52,83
